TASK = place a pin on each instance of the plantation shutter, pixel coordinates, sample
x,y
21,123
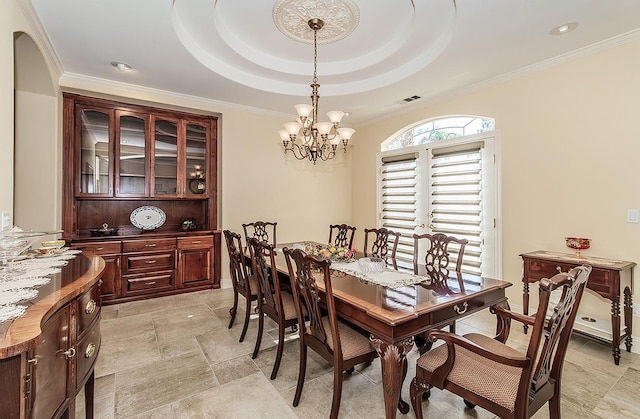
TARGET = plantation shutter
x,y
398,182
455,175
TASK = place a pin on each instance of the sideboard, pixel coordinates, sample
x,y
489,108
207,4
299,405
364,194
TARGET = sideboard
x,y
609,278
48,355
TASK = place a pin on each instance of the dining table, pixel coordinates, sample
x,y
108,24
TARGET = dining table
x,y
394,313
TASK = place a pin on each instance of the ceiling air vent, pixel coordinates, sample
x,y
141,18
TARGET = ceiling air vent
x,y
411,98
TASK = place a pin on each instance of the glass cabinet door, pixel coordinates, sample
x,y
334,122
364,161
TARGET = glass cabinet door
x,y
196,159
165,163
95,152
132,165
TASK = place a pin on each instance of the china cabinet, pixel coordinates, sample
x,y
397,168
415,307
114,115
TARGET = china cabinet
x,y
125,163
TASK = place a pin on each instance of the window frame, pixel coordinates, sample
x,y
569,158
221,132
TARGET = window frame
x,y
491,178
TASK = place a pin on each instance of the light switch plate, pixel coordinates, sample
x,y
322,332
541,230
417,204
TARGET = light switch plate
x,y
632,216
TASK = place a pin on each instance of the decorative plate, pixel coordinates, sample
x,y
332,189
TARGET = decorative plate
x,y
148,217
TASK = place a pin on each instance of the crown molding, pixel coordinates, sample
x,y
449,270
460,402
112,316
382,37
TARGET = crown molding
x,y
624,38
40,34
73,81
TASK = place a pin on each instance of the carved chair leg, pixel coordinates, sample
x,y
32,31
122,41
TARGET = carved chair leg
x,y
247,315
418,388
233,310
259,338
554,406
301,373
276,366
337,391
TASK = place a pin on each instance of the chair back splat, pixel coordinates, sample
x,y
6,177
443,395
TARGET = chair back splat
x,y
341,235
264,231
438,255
486,372
382,238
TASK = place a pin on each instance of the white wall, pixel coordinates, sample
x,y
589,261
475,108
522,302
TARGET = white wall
x,y
9,17
570,159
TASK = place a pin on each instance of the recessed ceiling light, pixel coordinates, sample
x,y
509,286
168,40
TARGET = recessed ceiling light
x,y
122,67
565,28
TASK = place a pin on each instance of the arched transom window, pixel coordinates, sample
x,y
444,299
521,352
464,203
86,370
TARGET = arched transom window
x,y
438,130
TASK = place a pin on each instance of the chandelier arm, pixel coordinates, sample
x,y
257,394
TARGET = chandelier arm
x,y
299,152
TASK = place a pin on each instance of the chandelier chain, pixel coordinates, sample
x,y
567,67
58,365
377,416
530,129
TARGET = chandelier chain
x,y
315,56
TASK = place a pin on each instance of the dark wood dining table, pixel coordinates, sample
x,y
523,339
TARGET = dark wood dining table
x,y
393,316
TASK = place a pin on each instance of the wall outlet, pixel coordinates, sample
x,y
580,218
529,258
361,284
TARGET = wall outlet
x,y
5,220
636,310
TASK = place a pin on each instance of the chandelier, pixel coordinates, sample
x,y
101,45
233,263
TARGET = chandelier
x,y
307,137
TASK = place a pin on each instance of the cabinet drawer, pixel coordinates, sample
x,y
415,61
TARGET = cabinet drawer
x,y
150,283
455,311
148,245
196,242
86,354
600,280
146,262
539,269
88,308
99,248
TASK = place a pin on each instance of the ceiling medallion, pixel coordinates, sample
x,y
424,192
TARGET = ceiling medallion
x,y
340,18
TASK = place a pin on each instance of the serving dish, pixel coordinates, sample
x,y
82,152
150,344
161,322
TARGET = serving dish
x,y
148,217
577,244
53,243
104,231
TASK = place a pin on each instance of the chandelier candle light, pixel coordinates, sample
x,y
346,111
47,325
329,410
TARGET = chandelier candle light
x,y
331,134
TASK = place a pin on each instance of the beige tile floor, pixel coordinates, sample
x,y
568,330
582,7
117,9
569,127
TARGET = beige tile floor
x,y
174,357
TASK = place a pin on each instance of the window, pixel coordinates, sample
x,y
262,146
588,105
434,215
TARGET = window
x,y
443,180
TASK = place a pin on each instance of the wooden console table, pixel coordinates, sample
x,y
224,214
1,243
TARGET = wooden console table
x,y
607,279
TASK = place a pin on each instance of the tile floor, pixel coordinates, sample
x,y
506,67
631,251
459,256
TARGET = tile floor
x,y
174,357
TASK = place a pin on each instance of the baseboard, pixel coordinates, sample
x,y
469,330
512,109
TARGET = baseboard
x,y
595,327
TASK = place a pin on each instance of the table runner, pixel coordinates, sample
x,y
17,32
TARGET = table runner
x,y
389,278
31,273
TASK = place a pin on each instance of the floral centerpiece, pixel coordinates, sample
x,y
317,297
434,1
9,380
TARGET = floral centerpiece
x,y
334,253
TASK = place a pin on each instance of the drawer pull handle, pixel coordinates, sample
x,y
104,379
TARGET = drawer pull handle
x,y
150,283
196,242
461,310
99,248
559,269
91,348
90,307
69,353
34,361
151,262
150,245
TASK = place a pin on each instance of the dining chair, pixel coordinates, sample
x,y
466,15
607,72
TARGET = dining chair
x,y
343,235
438,250
273,301
338,343
243,282
262,230
486,372
382,237
438,255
